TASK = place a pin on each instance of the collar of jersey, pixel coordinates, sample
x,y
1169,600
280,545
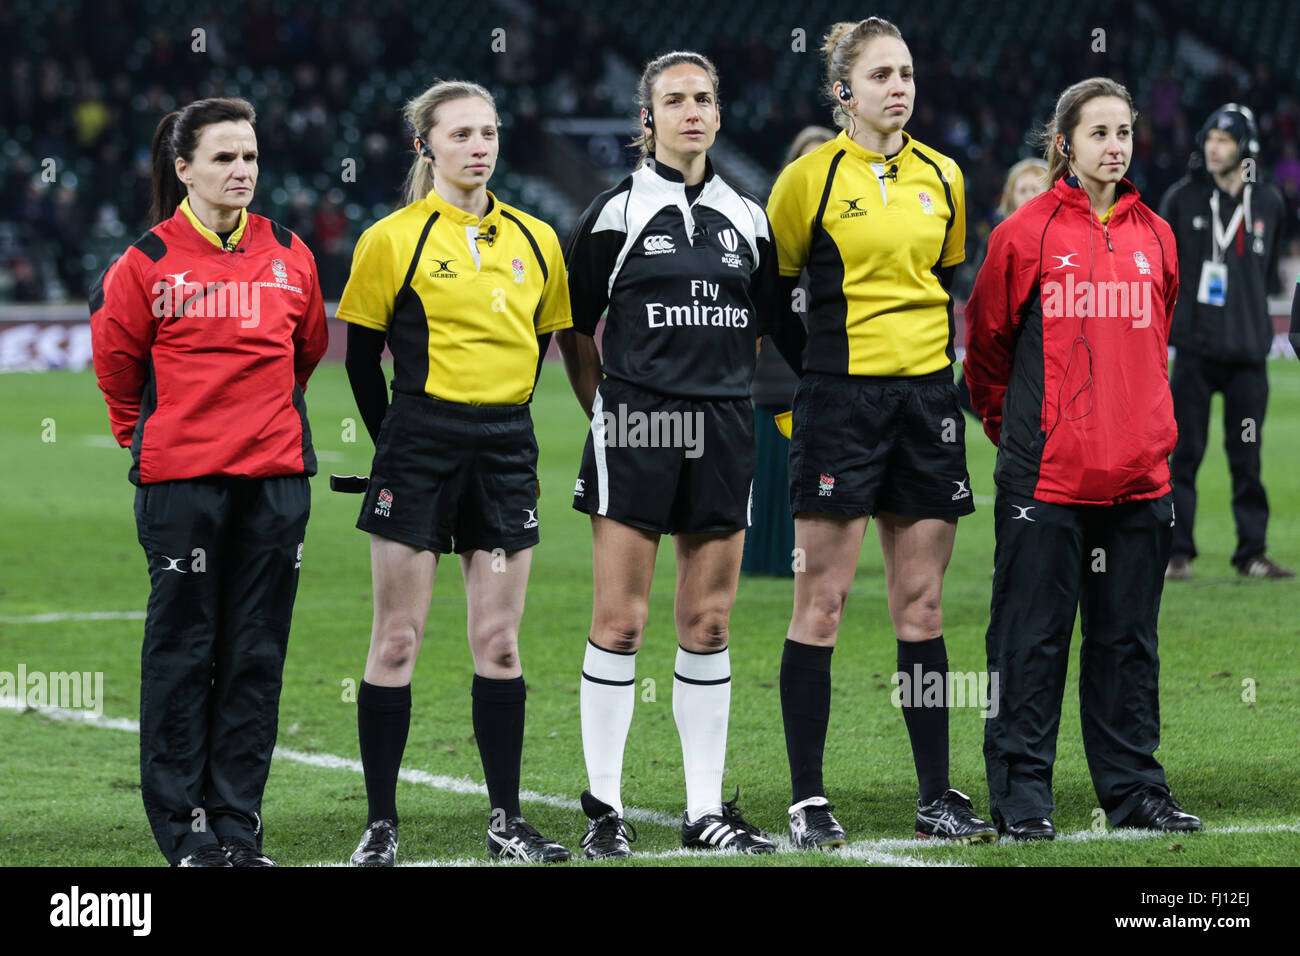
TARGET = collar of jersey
x,y
1126,197
674,175
436,203
232,243
854,148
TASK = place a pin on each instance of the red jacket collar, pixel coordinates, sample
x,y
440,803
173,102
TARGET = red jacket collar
x,y
1068,190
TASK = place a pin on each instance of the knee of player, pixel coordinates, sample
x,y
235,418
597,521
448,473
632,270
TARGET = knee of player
x,y
499,647
825,611
623,637
924,616
396,644
706,632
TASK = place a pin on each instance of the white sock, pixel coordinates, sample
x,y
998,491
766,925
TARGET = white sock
x,y
701,705
607,699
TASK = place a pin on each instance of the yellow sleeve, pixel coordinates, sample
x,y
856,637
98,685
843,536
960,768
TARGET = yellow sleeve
x,y
791,215
371,292
954,248
553,311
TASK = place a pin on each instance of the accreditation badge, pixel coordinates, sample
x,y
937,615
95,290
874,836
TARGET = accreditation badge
x,y
1213,289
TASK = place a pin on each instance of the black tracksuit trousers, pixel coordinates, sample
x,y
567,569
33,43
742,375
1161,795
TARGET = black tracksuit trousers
x,y
1244,386
1108,562
223,559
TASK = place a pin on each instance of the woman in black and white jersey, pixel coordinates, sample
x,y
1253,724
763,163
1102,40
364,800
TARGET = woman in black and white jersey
x,y
684,263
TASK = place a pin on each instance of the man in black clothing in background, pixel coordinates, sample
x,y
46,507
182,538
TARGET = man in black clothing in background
x,y
1228,230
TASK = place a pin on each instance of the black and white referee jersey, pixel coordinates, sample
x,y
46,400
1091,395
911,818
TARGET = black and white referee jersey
x,y
689,275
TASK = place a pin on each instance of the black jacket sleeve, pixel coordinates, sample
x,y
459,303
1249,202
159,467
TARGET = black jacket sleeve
x,y
590,257
1295,320
366,375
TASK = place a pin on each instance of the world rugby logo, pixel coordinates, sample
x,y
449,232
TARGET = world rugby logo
x,y
730,241
658,245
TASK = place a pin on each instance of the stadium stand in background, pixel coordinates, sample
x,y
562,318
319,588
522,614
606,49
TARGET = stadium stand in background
x,y
84,86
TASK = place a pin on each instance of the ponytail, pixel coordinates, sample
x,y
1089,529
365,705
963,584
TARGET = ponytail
x,y
166,187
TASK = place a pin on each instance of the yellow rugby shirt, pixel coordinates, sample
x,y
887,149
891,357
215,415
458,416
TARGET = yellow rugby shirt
x,y
462,314
873,234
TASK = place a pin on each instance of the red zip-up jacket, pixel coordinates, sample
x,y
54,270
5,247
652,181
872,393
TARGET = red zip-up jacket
x,y
203,354
1067,334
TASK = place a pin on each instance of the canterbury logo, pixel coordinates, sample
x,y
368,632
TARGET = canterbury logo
x,y
730,241
1065,261
654,245
1024,513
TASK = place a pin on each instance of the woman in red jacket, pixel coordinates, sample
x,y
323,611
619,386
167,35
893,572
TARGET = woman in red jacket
x,y
205,332
1067,336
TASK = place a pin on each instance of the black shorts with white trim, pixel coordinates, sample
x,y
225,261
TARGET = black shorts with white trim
x,y
860,445
453,477
668,465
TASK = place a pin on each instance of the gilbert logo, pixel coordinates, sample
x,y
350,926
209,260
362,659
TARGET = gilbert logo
x,y
444,270
384,504
77,909
657,245
853,209
531,520
825,485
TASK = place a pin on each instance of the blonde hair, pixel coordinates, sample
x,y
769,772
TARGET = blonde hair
x,y
1013,176
809,135
645,91
421,114
1066,117
842,47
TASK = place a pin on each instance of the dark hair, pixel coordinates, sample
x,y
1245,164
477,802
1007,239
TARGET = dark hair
x,y
178,135
1066,117
645,89
841,47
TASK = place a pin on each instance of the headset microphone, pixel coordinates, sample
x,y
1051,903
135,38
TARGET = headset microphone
x,y
491,236
425,151
648,119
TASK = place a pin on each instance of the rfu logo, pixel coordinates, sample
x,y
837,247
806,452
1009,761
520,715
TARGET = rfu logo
x,y
278,270
1024,513
962,491
531,520
853,209
1064,260
444,270
1140,260
579,488
384,503
657,245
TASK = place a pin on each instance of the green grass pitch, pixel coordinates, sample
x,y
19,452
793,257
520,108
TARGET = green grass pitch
x,y
69,791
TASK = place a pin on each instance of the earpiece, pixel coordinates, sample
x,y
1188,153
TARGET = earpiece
x,y
647,119
1065,148
846,94
425,151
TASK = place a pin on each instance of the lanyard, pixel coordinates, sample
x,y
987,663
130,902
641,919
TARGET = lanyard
x,y
1221,237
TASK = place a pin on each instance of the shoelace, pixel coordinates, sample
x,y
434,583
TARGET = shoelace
x,y
731,816
377,841
613,820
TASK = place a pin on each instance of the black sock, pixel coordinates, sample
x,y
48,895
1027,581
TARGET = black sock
x,y
383,721
805,710
927,726
499,730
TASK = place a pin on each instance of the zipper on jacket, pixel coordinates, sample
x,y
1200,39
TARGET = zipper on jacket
x,y
1106,231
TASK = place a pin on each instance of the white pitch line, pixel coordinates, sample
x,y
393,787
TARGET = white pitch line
x,y
55,617
882,851
461,785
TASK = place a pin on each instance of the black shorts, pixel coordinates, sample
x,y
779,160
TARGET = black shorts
x,y
862,445
451,477
665,464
